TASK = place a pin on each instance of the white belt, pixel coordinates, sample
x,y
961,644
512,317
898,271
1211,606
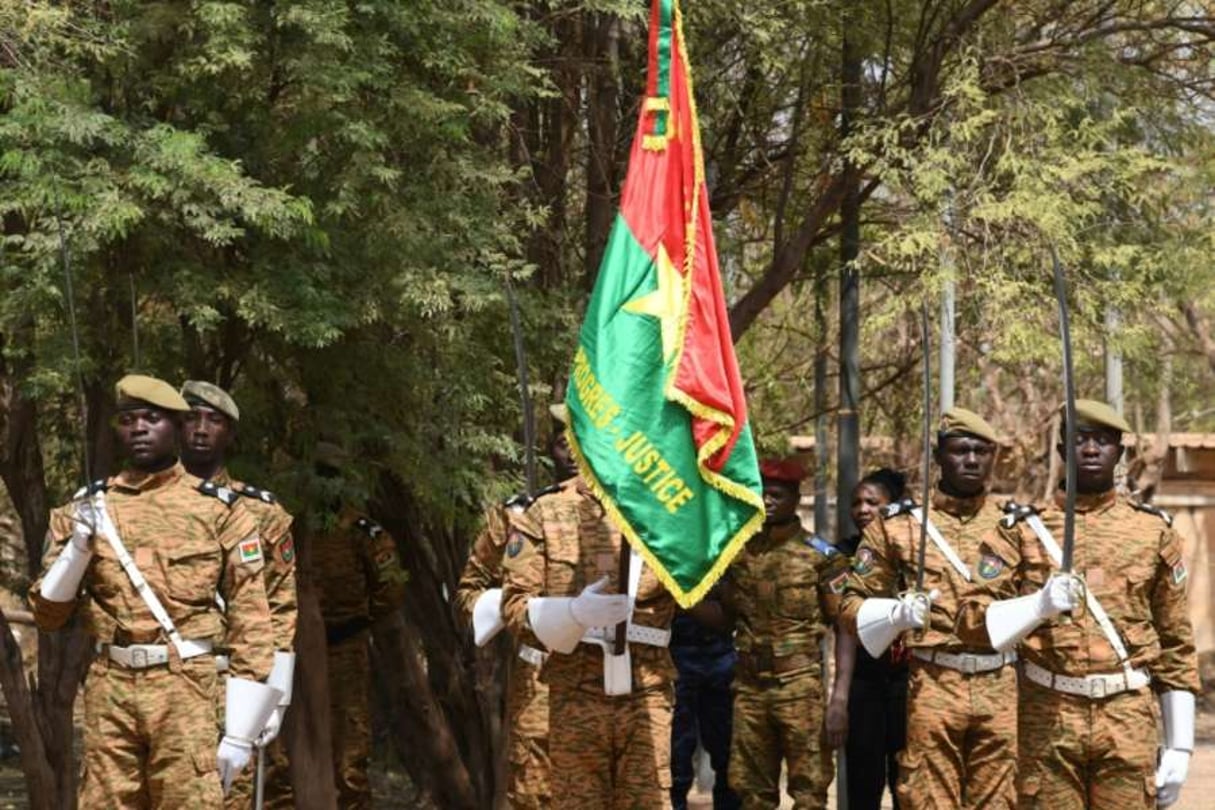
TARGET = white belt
x,y
531,655
1093,687
222,663
637,634
969,663
142,656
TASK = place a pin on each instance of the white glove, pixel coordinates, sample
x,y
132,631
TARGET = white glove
x,y
591,608
62,579
1170,776
233,755
84,524
910,611
1062,593
271,729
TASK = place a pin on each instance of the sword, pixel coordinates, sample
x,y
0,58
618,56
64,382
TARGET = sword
x,y
1069,429
259,785
926,469
525,399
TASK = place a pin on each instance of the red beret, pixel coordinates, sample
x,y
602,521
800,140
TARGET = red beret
x,y
782,469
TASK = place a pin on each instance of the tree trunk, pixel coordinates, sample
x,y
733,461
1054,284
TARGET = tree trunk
x,y
306,728
603,102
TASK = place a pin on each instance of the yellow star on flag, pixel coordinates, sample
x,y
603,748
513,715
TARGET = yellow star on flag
x,y
665,303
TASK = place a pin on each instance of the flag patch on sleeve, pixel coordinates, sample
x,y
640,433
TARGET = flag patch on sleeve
x,y
1179,573
250,551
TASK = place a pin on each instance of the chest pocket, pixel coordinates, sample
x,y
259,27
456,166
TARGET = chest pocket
x,y
191,572
1136,580
797,591
108,579
563,550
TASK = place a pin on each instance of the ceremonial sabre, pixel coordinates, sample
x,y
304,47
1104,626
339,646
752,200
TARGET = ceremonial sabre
x,y
1069,417
525,399
926,469
259,787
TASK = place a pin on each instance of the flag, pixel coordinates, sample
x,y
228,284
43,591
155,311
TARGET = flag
x,y
658,421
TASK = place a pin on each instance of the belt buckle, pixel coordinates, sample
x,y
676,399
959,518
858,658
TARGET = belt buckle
x,y
970,664
139,657
1096,688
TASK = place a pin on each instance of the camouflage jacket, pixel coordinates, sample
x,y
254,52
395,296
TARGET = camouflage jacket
x,y
357,572
189,545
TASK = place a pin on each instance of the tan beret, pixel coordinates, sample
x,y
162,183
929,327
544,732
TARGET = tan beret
x,y
559,413
197,392
960,420
1090,413
134,390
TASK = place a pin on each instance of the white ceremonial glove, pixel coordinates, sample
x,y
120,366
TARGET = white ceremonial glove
x,y
911,610
273,726
592,608
233,755
62,579
1061,594
1170,776
282,675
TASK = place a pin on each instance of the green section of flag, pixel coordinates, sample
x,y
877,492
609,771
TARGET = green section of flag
x,y
635,446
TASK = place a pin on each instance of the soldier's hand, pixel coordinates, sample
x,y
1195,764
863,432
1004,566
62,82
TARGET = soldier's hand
x,y
1170,776
84,523
233,755
911,612
271,729
1062,593
837,722
592,608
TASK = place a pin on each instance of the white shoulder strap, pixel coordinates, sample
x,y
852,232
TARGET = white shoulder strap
x,y
1094,607
940,542
105,525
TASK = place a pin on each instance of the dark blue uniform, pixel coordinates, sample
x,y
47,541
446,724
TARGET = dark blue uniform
x,y
705,660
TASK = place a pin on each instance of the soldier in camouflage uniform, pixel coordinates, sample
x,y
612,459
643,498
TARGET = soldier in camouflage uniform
x,y
527,787
359,580
1088,708
149,698
561,569
209,429
783,588
961,722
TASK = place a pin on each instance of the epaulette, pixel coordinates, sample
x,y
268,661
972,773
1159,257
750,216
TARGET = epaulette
x,y
822,546
369,527
227,496
897,508
249,491
1015,512
92,489
1153,510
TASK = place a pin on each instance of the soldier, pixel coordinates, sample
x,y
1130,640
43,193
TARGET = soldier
x,y
1086,695
783,588
609,716
209,429
359,581
479,598
150,693
961,724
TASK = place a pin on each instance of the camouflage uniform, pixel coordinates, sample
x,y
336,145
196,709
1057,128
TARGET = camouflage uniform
x,y
1076,751
605,751
784,589
274,528
150,735
961,727
359,580
527,697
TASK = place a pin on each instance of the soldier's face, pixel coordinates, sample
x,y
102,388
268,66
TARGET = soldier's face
x,y
965,463
564,466
206,434
780,502
867,501
148,437
1097,455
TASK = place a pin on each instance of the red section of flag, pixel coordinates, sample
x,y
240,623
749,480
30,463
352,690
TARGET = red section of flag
x,y
665,201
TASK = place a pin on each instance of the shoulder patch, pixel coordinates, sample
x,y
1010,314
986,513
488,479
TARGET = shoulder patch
x,y
990,566
898,508
862,563
836,584
1153,510
1016,512
227,496
822,546
99,485
369,527
250,491
250,551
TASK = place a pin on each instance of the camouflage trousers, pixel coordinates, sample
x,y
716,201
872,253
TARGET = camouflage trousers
x,y
961,739
150,737
610,753
527,715
277,795
1078,753
777,720
350,720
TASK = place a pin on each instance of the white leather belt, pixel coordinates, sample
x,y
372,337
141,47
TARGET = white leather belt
x,y
968,663
222,663
531,655
143,656
1093,687
638,634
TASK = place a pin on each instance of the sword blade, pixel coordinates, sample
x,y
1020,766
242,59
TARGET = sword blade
x,y
525,399
1069,416
926,469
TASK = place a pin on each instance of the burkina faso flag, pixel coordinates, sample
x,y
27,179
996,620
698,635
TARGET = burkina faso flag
x,y
658,420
